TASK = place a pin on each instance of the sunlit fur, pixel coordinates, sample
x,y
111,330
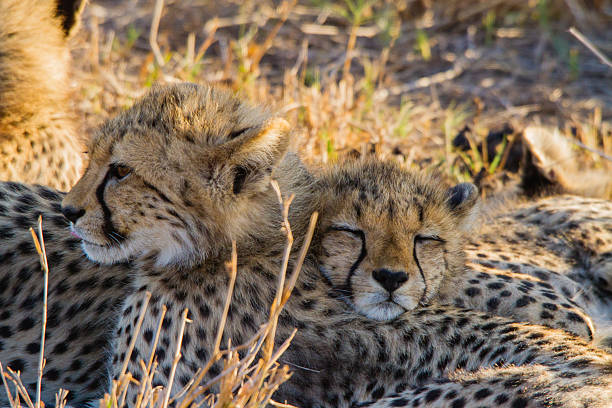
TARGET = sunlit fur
x,y
200,165
390,206
38,142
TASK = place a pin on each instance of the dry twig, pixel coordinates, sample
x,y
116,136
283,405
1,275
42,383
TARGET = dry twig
x,y
39,242
587,43
157,12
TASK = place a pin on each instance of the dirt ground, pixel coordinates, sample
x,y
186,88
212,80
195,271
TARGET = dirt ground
x,y
420,81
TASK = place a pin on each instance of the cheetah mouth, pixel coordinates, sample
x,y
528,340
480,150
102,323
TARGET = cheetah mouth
x,y
86,242
390,303
384,309
75,233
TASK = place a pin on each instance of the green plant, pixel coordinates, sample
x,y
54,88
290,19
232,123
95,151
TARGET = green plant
x,y
422,45
404,123
488,22
133,34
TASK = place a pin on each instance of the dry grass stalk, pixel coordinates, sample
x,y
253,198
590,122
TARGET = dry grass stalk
x,y
284,10
39,242
587,43
284,203
159,58
209,40
177,353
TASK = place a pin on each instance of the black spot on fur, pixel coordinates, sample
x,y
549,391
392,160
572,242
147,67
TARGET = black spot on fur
x,y
33,348
26,324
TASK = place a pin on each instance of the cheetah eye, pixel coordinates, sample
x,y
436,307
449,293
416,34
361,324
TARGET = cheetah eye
x,y
119,171
421,238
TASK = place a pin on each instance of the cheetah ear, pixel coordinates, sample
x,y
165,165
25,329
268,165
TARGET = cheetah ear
x,y
69,13
255,156
463,201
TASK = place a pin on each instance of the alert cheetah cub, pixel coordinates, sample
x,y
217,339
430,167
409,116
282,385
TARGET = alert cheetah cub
x,y
37,133
173,179
404,248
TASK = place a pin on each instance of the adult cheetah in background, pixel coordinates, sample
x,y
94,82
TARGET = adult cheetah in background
x,y
38,142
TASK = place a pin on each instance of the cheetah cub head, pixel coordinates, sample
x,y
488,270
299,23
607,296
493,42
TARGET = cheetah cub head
x,y
390,236
176,177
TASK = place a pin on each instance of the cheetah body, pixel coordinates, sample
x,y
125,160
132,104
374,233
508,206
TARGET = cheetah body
x,y
84,299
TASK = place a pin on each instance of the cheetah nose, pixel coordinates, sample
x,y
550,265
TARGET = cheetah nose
x,y
388,279
73,214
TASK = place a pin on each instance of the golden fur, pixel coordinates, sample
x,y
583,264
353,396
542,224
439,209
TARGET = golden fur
x,y
37,130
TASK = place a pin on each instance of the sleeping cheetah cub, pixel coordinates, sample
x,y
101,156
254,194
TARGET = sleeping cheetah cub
x,y
384,259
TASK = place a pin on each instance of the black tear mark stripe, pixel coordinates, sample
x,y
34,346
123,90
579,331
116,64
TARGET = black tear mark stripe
x,y
416,259
107,227
362,255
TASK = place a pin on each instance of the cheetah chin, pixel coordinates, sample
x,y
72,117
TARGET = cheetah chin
x,y
137,245
383,311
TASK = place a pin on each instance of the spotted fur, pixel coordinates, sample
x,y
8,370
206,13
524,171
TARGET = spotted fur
x,y
83,299
559,248
340,358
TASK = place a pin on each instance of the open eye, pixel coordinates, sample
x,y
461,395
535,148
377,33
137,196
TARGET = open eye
x,y
119,171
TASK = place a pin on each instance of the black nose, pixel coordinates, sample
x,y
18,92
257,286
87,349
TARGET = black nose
x,y
73,214
390,280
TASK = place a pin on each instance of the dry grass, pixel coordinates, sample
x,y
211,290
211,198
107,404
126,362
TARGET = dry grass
x,y
395,78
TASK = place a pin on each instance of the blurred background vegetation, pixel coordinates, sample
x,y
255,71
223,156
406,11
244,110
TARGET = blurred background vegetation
x,y
444,85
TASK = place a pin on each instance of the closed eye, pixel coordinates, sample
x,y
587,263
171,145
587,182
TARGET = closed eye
x,y
421,238
357,232
362,254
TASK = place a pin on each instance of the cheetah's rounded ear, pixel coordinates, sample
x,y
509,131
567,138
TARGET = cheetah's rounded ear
x,y
69,13
269,143
255,157
463,201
